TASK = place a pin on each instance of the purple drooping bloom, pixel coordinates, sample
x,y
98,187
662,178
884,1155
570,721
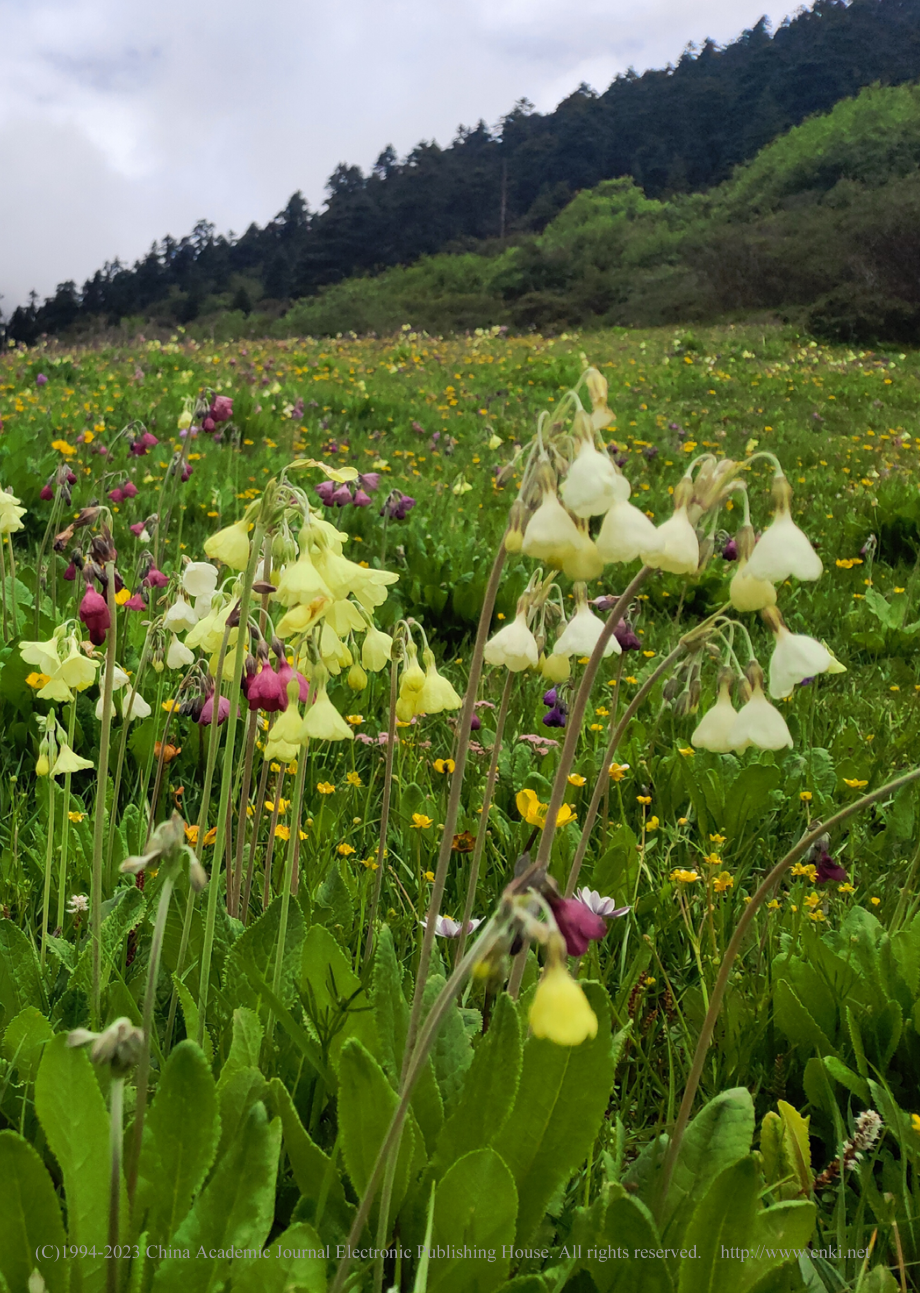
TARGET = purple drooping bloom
x,y
135,603
154,578
730,551
129,489
266,692
222,408
41,380
627,637
206,717
828,869
369,480
117,495
550,697
557,716
475,724
341,496
46,492
577,924
361,499
94,612
325,489
397,505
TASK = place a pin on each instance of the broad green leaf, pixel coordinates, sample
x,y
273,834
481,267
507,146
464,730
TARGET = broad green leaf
x,y
489,1089
786,1152
475,1206
728,1218
245,1046
846,1077
452,1052
234,1210
297,1265
327,981
180,1142
30,1218
610,1233
314,1172
191,1017
256,948
366,1105
560,1103
793,1019
24,1040
391,1012
236,1097
126,913
906,947
878,1280
75,1121
749,797
718,1136
20,973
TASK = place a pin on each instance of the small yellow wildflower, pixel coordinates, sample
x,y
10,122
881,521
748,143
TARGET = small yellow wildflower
x,y
685,877
652,824
846,888
805,796
355,719
354,779
429,876
812,900
712,859
915,1122
37,680
76,817
717,839
722,882
68,450
618,771
686,750
576,780
345,850
854,783
420,822
875,901
773,904
805,868
325,787
191,834
644,799
444,765
282,832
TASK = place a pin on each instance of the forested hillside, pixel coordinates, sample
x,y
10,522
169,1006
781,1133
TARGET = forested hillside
x,y
676,131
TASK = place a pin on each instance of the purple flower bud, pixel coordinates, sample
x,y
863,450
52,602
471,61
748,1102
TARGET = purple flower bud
x,y
117,495
397,505
41,380
370,480
342,496
135,603
361,499
325,489
475,724
129,489
94,612
556,717
46,492
208,425
828,869
187,470
149,440
137,528
730,551
550,697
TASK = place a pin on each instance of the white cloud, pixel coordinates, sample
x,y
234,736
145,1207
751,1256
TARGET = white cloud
x,y
121,122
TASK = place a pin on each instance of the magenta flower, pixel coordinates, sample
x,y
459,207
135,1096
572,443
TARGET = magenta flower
x,y
46,492
361,499
154,578
137,528
577,924
206,717
285,674
135,603
370,480
94,612
266,692
187,470
222,408
116,495
627,637
828,869
41,380
208,425
129,489
397,505
342,496
326,489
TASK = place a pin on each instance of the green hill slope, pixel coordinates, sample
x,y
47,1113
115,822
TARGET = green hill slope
x,y
822,225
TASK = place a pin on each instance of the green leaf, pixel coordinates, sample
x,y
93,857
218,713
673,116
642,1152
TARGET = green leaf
x,y
366,1105
180,1141
878,1280
727,1217
718,1136
314,1172
191,1017
452,1052
30,1218
786,1152
255,949
749,797
793,1019
391,1012
560,1103
327,982
846,1077
20,973
475,1206
609,1234
489,1090
75,1121
236,1097
905,944
245,1046
234,1210
24,1041
126,913
301,1268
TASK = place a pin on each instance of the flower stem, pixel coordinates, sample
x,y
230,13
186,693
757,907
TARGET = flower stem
x,y
99,808
456,785
767,885
385,809
483,828
293,840
226,779
143,1064
65,825
127,709
235,883
603,777
115,1141
49,862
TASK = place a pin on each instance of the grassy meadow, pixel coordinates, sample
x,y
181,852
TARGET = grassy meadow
x,y
279,1004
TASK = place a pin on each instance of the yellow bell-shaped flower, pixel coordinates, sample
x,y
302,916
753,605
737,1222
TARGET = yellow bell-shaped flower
x,y
437,694
375,650
230,545
560,1011
323,722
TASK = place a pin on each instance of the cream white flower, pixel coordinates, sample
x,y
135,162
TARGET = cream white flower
x,y
714,730
784,551
593,483
748,593
583,562
551,534
795,658
759,723
514,646
199,579
375,649
626,533
180,616
678,549
178,656
581,634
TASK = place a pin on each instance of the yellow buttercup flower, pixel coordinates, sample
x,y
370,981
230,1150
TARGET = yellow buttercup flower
x,y
723,882
443,765
325,788
854,783
560,1011
576,780
420,822
354,779
683,876
618,771
345,850
534,812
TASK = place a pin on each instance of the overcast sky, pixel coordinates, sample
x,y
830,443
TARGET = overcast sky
x,y
121,121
